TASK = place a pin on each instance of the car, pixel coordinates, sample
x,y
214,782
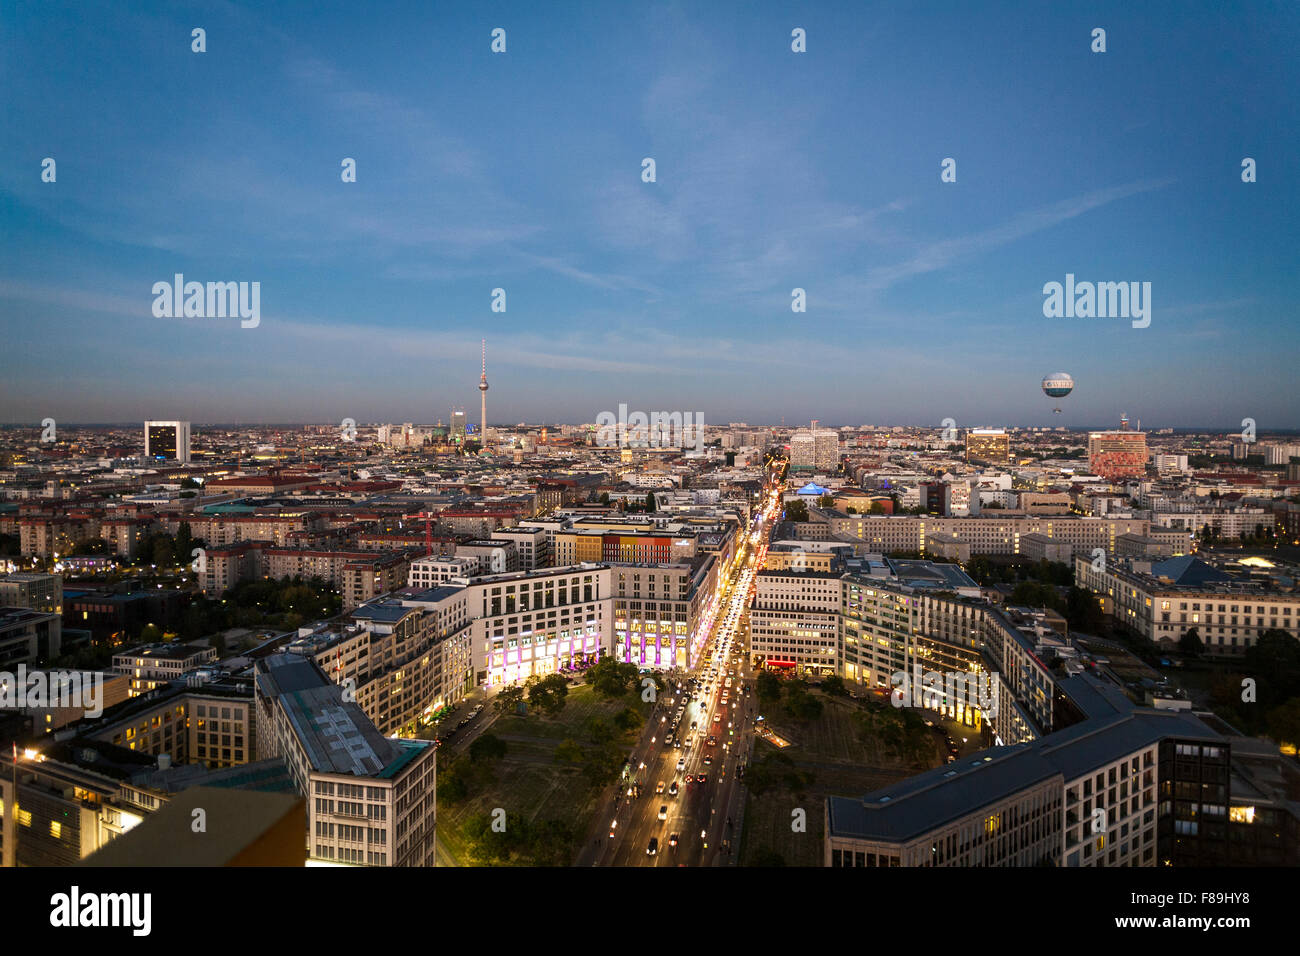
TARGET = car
x,y
653,847
707,760
677,744
612,827
663,812
694,724
660,787
712,741
702,778
681,765
717,718
672,840
672,789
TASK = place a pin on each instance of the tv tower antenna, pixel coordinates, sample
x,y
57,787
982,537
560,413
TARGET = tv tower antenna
x,y
482,391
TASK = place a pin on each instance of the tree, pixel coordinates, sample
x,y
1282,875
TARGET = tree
x,y
796,511
834,685
604,497
570,751
548,694
1284,722
650,501
611,678
1082,610
487,747
451,786
164,554
825,501
1190,643
151,634
184,541
1037,594
628,720
508,699
768,686
599,730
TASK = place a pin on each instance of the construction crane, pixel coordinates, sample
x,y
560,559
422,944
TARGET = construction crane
x,y
428,530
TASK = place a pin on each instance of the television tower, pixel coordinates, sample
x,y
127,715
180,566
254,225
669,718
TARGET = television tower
x,y
482,392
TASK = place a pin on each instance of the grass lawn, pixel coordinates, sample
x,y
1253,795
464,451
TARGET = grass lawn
x,y
842,764
529,781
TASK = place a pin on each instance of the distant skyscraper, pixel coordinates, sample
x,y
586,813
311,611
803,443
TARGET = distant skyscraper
x,y
169,441
482,391
458,424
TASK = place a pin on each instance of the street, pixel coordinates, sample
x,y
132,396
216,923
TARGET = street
x,y
712,741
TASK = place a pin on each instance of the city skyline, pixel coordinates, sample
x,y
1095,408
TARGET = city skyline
x,y
522,172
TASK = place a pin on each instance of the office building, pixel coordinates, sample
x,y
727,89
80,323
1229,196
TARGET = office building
x,y
990,445
1124,786
370,799
794,621
1117,454
167,441
1162,600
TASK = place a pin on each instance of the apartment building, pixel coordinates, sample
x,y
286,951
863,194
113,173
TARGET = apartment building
x,y
359,575
153,665
532,544
433,571
398,662
494,556
208,721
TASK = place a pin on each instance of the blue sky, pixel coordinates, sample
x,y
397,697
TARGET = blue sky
x,y
775,170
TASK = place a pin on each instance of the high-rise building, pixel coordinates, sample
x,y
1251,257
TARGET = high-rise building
x,y
1121,454
458,424
167,441
815,449
988,444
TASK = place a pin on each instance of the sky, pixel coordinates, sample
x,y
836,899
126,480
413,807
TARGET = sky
x,y
774,170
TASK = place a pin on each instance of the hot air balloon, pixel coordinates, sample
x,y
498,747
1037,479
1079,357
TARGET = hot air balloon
x,y
1058,385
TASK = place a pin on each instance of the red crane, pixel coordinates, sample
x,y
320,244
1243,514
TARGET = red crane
x,y
428,530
